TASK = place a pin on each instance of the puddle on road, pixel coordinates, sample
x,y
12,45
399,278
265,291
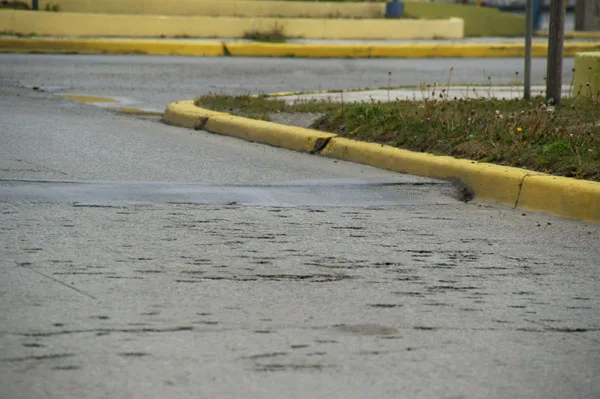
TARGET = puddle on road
x,y
322,193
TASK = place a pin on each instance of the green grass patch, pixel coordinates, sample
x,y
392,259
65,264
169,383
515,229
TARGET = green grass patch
x,y
17,34
562,141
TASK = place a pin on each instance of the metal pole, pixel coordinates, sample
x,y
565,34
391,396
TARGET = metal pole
x,y
528,39
35,5
556,36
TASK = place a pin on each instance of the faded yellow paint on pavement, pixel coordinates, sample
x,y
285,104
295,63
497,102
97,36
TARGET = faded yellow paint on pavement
x,y
137,111
429,50
87,99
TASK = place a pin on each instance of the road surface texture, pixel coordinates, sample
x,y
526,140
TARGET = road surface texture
x,y
139,260
154,81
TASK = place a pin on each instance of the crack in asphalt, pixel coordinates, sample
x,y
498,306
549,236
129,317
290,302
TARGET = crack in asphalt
x,y
27,266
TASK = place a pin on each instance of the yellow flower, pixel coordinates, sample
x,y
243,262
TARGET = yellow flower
x,y
519,130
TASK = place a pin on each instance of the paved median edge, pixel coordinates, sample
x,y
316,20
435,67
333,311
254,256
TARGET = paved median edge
x,y
515,187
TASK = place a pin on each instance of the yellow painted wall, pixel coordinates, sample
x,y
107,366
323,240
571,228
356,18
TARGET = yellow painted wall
x,y
587,70
83,24
479,21
230,8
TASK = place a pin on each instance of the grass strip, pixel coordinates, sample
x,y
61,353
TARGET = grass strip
x,y
562,141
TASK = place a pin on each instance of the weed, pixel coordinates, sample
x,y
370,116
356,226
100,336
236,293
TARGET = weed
x,y
52,7
275,35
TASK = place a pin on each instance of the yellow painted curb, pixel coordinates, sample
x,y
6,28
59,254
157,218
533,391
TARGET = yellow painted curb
x,y
474,50
186,114
562,196
488,182
257,49
519,188
290,137
108,46
571,49
471,50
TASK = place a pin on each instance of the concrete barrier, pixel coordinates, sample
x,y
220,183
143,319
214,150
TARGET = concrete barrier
x,y
111,25
586,79
231,8
479,21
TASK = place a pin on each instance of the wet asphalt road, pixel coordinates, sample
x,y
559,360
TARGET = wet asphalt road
x,y
153,81
313,292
